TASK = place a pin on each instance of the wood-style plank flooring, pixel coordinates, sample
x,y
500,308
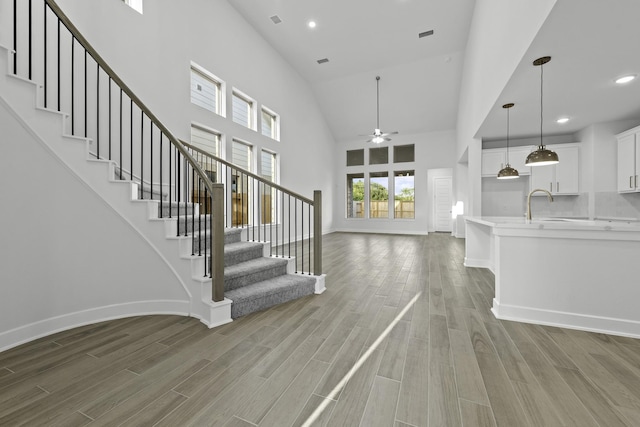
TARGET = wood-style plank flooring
x,y
403,336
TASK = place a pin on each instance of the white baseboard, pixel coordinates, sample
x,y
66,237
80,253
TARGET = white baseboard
x,y
478,263
603,325
42,328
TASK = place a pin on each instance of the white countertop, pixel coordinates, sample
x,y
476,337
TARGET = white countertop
x,y
557,223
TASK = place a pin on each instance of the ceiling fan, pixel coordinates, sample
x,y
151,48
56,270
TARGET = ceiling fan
x,y
378,136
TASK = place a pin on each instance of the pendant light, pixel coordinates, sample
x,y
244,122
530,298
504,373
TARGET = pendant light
x,y
508,172
542,156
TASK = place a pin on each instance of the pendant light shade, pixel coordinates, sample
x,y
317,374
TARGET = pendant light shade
x,y
507,172
542,156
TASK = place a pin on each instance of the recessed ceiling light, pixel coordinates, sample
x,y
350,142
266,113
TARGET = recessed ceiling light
x,y
562,120
322,61
625,79
425,34
311,24
276,19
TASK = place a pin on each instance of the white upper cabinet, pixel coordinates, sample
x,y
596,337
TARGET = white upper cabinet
x,y
629,161
494,159
562,178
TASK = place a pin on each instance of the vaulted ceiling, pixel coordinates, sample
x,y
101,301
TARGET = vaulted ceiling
x,y
591,42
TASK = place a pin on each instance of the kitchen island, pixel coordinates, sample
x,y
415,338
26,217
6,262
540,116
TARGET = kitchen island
x,y
579,274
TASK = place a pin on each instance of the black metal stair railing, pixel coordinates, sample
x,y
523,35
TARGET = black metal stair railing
x,y
268,212
77,81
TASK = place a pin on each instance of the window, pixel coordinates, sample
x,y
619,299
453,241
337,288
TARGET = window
x,y
209,141
206,90
379,195
205,139
268,172
270,124
403,153
355,157
135,4
243,108
355,195
268,165
404,197
378,156
241,157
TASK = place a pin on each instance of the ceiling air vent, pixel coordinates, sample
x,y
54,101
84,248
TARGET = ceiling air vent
x,y
276,19
323,60
425,34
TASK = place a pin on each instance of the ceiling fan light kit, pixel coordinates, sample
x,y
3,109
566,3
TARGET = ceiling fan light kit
x,y
378,136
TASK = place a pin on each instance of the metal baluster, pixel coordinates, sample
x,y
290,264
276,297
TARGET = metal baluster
x,y
161,182
73,86
141,155
85,94
282,217
276,219
295,230
97,110
289,221
15,37
30,39
178,188
109,88
309,240
44,4
193,223
302,238
151,159
121,136
58,64
131,138
170,183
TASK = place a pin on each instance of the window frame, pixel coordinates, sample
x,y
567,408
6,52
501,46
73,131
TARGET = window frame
x,y
251,112
275,128
218,83
136,5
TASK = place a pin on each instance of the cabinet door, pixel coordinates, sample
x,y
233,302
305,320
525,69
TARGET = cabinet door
x,y
517,157
627,164
492,162
542,177
567,177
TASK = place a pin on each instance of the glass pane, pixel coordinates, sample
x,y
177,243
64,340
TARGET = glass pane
x,y
378,156
268,125
268,164
205,92
355,157
241,111
379,195
355,195
403,153
404,197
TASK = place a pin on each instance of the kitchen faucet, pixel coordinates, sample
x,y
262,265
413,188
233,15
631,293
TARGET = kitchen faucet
x,y
529,200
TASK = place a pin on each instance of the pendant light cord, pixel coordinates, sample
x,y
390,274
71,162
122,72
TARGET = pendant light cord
x,y
377,102
541,95
508,136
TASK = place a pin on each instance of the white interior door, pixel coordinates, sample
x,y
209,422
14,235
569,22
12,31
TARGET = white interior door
x,y
442,203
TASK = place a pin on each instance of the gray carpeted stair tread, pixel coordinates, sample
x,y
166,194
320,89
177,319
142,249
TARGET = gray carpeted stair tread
x,y
253,271
235,253
267,293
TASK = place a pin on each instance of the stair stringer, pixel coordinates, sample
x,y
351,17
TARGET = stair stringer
x,y
120,196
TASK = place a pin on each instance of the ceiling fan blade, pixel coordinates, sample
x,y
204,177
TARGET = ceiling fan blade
x,y
388,133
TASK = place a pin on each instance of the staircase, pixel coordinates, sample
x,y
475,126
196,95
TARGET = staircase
x,y
177,232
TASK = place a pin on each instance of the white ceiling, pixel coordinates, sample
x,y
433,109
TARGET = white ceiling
x,y
420,77
590,41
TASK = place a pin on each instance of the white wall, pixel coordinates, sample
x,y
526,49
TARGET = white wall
x,y
152,53
501,31
60,243
432,151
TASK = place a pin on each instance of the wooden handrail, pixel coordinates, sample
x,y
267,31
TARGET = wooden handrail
x,y
248,173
